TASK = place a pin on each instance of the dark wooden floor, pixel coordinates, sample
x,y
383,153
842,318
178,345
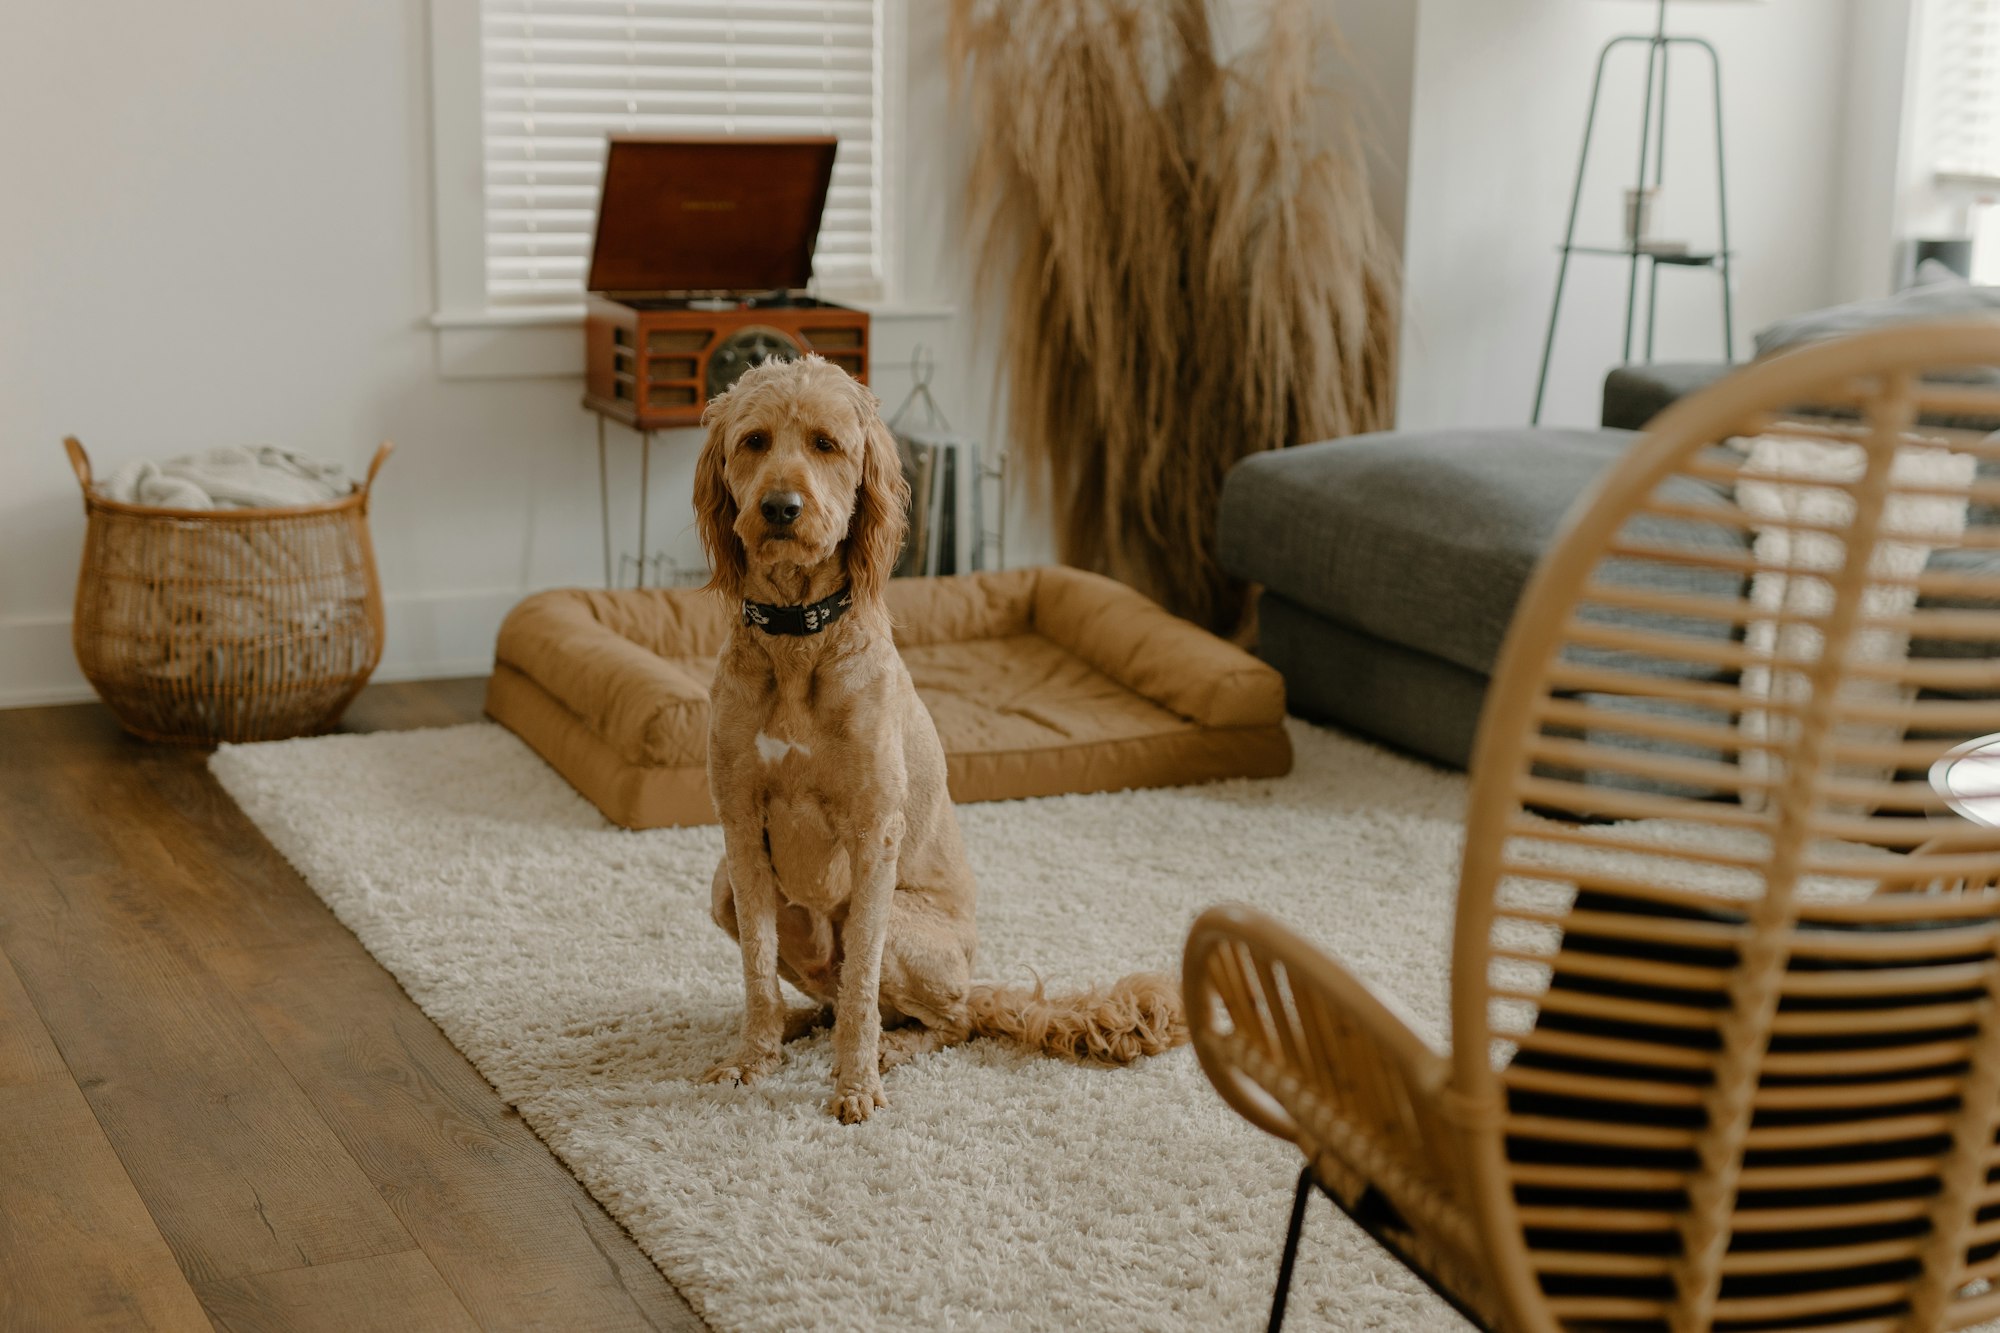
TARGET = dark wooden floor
x,y
216,1109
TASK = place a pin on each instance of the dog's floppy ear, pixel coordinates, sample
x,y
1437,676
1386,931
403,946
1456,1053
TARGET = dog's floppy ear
x,y
881,507
715,507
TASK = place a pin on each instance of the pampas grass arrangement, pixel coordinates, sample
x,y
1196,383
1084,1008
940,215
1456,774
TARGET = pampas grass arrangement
x,y
1190,265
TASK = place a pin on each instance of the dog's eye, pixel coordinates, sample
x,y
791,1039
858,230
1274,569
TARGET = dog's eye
x,y
756,441
823,443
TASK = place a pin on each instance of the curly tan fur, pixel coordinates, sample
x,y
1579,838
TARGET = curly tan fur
x,y
1190,266
843,871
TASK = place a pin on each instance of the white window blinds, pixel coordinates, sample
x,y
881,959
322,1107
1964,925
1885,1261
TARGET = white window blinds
x,y
1963,58
560,75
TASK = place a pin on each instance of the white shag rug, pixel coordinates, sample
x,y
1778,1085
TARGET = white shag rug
x,y
575,964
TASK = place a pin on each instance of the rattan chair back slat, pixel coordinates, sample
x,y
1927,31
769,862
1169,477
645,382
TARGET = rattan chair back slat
x,y
202,626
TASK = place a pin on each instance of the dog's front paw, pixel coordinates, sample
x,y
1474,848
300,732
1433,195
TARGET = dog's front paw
x,y
854,1100
745,1067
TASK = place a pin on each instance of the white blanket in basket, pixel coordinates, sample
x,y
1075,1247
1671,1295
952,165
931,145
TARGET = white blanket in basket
x,y
229,477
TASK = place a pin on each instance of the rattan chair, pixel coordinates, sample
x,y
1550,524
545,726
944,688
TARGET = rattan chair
x,y
1706,1074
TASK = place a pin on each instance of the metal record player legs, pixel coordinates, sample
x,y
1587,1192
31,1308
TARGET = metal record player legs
x,y
603,502
645,491
614,564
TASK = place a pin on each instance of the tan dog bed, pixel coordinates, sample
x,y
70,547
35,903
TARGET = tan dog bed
x,y
1042,681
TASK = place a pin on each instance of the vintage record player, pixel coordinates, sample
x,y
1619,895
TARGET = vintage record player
x,y
704,248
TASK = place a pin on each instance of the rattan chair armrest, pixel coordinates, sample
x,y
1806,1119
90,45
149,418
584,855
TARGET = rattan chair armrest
x,y
1306,1050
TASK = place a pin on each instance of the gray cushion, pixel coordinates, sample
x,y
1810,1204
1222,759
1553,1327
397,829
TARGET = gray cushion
x,y
1611,738
1961,560
1634,395
1952,298
1427,539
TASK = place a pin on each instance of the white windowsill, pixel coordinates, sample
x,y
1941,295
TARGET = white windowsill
x,y
572,315
507,319
1971,182
547,342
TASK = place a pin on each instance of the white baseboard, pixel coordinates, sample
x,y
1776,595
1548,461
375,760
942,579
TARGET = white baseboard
x,y
429,636
37,664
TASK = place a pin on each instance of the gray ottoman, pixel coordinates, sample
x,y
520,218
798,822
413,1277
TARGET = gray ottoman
x,y
1392,564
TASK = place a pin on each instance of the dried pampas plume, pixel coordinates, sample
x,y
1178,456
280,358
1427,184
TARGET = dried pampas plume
x,y
1190,264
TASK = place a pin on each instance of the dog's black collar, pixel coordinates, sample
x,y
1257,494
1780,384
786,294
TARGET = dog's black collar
x,y
797,620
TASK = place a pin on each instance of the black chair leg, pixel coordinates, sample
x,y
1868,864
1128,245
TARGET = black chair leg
x,y
1304,1192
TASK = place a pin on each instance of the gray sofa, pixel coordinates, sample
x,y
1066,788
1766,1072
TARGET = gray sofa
x,y
1391,563
1634,395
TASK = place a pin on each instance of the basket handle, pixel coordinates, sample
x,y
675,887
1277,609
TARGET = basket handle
x,y
382,452
78,460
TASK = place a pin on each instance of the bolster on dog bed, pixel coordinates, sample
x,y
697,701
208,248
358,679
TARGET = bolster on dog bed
x,y
1042,681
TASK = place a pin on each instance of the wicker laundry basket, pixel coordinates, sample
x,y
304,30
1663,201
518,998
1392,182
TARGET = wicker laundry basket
x,y
198,626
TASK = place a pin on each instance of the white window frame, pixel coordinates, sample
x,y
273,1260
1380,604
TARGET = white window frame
x,y
476,341
1939,197
1942,49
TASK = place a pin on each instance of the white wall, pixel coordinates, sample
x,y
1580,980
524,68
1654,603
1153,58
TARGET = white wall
x,y
938,271
219,231
1375,70
1880,169
1498,102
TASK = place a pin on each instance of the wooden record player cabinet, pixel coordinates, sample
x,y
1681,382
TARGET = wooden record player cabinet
x,y
648,364
702,256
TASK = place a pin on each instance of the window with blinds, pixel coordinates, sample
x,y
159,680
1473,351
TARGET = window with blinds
x,y
1963,61
559,75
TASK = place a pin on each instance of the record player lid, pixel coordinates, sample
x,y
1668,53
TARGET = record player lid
x,y
709,214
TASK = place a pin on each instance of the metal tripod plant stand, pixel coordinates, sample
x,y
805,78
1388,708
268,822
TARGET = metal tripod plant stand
x,y
1652,162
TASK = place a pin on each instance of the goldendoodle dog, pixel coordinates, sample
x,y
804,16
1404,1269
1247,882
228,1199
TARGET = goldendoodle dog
x,y
843,871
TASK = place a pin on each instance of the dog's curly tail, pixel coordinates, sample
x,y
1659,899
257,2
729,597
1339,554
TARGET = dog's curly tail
x,y
1134,1016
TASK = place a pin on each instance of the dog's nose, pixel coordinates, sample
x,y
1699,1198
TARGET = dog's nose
x,y
781,507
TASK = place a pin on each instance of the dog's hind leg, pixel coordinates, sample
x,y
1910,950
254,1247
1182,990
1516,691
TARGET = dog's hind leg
x,y
799,1022
722,901
926,974
920,1038
805,1020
